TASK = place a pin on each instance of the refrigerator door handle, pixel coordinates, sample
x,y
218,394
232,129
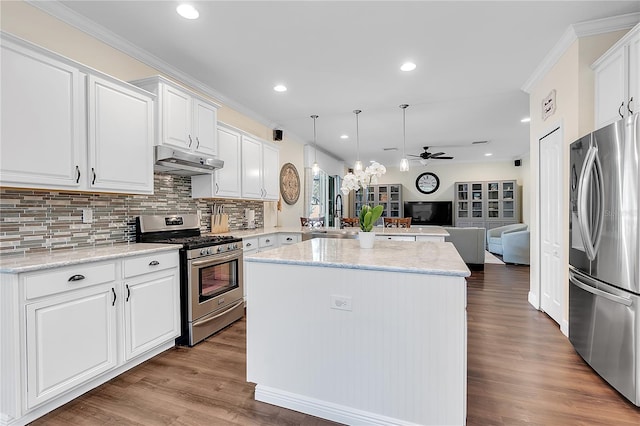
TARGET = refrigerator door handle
x,y
584,185
598,292
600,207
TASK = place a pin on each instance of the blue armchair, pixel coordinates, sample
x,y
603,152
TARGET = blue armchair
x,y
516,247
495,235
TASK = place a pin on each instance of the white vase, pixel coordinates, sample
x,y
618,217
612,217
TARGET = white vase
x,y
366,239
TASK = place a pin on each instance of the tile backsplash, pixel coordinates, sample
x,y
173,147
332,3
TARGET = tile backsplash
x,y
40,220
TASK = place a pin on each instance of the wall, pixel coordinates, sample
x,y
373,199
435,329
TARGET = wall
x,y
38,221
573,80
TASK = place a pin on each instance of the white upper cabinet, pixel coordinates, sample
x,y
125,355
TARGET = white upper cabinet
x,y
617,80
270,171
120,135
260,169
225,182
183,119
65,126
43,141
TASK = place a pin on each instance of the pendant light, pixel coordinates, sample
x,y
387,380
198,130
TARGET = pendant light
x,y
315,167
358,165
404,163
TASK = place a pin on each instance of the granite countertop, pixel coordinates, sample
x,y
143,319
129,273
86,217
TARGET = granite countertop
x,y
432,231
432,258
35,262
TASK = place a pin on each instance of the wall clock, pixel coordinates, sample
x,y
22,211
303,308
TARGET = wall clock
x,y
427,183
289,183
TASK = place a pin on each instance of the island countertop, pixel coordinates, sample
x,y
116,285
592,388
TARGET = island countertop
x,y
432,258
430,231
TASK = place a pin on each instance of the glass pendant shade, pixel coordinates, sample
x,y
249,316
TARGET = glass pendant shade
x,y
315,167
404,163
357,166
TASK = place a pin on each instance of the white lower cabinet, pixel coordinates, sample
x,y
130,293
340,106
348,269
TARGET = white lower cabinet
x,y
71,338
289,238
81,325
396,237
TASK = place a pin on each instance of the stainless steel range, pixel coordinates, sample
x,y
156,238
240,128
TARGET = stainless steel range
x,y
211,282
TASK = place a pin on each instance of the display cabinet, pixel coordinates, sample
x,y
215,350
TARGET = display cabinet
x,y
388,196
486,204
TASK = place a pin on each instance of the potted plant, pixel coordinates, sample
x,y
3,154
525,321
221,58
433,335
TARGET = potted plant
x,y
368,215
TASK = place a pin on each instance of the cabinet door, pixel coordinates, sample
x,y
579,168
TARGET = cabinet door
x,y
120,138
271,172
611,88
251,168
205,123
70,340
176,118
152,311
634,73
230,151
42,120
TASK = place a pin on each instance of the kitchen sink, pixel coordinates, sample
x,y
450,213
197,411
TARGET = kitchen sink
x,y
331,233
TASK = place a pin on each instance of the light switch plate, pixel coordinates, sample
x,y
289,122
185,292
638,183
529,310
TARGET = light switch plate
x,y
87,216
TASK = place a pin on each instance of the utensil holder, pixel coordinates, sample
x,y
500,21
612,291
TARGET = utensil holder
x,y
219,223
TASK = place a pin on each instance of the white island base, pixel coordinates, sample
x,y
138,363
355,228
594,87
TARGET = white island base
x,y
343,334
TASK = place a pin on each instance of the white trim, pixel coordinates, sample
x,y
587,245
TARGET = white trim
x,y
323,409
70,17
533,300
564,327
575,31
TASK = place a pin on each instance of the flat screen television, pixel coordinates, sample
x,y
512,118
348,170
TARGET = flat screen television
x,y
429,212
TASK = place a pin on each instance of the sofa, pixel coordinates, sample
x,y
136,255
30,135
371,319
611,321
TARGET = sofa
x,y
470,243
495,235
516,247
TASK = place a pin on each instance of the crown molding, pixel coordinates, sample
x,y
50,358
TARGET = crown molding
x,y
575,31
70,17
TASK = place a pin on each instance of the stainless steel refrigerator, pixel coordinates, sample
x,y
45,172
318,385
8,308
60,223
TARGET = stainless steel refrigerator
x,y
604,253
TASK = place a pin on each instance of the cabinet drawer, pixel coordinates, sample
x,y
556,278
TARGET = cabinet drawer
x,y
52,281
289,238
150,263
267,241
249,244
396,237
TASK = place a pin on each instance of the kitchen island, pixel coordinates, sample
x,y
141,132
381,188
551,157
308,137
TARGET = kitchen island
x,y
360,336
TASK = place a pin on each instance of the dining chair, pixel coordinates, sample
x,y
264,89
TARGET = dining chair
x,y
397,222
350,222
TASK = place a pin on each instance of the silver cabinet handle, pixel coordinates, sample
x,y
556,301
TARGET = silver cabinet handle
x,y
267,240
113,290
619,108
77,174
190,141
77,277
289,239
629,106
154,263
217,187
128,293
198,142
248,245
93,181
612,297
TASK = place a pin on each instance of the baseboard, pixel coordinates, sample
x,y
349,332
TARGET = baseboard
x,y
564,327
533,300
323,409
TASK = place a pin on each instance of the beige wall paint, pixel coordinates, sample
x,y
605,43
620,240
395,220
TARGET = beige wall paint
x,y
573,80
32,24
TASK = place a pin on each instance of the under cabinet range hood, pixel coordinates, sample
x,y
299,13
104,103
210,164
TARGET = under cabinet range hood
x,y
174,161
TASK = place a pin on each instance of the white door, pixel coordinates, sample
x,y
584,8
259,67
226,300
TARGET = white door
x,y
251,168
552,212
70,340
151,306
42,120
204,127
271,172
120,138
228,177
176,118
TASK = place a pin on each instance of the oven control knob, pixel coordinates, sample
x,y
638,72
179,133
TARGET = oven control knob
x,y
219,249
203,252
209,250
230,247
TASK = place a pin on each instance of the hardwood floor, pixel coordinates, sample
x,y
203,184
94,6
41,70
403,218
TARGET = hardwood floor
x,y
521,371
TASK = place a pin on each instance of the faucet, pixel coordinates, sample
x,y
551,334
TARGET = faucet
x,y
338,210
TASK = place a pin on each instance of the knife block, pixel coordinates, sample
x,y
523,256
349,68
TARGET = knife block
x,y
219,223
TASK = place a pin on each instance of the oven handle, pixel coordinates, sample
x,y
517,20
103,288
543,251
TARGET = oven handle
x,y
214,260
199,323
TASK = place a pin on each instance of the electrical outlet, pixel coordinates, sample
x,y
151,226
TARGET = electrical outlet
x,y
341,302
87,216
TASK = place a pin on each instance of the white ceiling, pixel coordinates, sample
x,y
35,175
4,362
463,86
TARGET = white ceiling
x,y
472,57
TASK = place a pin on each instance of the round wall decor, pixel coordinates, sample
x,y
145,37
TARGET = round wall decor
x,y
427,183
289,183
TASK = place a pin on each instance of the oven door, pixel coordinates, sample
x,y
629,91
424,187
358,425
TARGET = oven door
x,y
214,283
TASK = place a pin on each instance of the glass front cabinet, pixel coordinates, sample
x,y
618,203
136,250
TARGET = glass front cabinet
x,y
388,196
486,204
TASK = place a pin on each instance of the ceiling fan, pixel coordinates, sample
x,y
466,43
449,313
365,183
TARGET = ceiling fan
x,y
426,155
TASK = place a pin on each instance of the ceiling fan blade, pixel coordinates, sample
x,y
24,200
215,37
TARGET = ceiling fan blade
x,y
437,154
442,158
411,155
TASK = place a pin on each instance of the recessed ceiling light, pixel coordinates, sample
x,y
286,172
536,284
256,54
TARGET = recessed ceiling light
x,y
488,154
408,66
344,136
525,120
187,11
280,88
